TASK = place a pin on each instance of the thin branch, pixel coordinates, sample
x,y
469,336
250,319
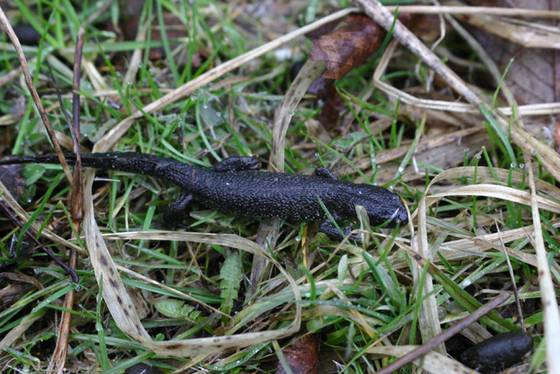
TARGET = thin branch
x,y
77,193
445,335
58,359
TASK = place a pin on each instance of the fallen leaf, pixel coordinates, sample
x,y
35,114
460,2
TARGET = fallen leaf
x,y
302,356
11,176
343,47
348,46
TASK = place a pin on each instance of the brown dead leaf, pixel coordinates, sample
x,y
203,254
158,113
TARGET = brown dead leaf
x,y
348,46
11,176
302,356
343,47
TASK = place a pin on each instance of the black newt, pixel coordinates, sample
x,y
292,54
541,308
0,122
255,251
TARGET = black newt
x,y
236,186
497,353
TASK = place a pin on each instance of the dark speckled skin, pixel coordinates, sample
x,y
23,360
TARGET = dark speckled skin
x,y
253,193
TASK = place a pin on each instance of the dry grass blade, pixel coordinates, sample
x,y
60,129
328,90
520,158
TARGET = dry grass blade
x,y
524,35
14,334
310,71
548,296
77,193
499,192
476,246
448,106
486,10
35,96
482,174
429,320
432,362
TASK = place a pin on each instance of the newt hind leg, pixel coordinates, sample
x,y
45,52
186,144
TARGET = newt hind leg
x,y
176,211
338,233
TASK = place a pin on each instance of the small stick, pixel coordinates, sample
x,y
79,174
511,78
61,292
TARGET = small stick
x,y
58,359
445,335
77,195
36,99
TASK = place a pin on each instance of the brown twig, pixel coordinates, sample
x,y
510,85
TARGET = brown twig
x,y
77,194
5,23
58,359
445,335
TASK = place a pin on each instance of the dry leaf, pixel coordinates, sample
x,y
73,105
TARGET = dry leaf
x,y
302,356
11,176
347,46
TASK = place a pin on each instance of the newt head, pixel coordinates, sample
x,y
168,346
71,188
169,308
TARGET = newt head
x,y
381,205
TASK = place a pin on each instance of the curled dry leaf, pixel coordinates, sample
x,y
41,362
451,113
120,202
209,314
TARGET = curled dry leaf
x,y
348,46
302,356
342,48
